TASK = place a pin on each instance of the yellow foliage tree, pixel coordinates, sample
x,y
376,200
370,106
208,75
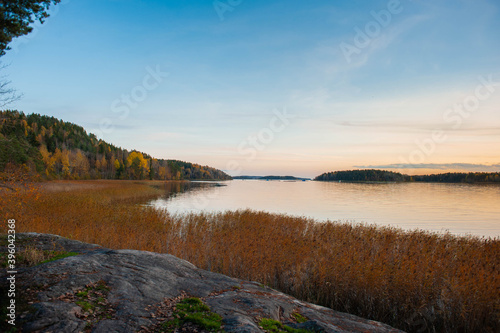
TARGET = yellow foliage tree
x,y
65,163
137,165
81,164
162,173
104,163
45,155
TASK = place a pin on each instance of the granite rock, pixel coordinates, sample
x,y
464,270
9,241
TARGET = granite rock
x,y
138,281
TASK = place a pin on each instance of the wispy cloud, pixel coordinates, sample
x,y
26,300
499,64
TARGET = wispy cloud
x,y
388,38
437,166
424,127
158,136
336,62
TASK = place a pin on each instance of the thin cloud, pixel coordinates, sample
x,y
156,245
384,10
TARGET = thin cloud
x,y
422,127
437,166
387,37
159,136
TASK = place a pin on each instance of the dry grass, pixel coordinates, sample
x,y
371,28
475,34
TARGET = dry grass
x,y
33,256
416,281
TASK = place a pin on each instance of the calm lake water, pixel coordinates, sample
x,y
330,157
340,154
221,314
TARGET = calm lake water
x,y
459,208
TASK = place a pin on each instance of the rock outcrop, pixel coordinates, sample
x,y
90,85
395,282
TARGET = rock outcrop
x,y
135,284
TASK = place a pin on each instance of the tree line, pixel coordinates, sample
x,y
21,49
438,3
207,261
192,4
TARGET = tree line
x,y
57,149
373,175
363,176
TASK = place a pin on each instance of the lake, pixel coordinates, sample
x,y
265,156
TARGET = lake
x,y
459,208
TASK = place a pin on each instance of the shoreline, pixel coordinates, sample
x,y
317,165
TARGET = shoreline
x,y
365,270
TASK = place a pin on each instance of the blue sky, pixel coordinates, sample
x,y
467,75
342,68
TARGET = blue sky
x,y
274,87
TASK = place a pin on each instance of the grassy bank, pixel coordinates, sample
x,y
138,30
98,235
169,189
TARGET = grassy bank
x,y
416,281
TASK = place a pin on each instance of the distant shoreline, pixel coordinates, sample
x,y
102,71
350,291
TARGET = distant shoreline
x,y
271,178
373,175
403,182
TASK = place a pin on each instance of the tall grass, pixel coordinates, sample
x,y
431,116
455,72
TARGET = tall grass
x,y
416,281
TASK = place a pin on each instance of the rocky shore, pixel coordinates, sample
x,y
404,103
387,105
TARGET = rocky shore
x,y
103,290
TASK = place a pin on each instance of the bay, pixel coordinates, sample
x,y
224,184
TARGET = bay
x,y
461,209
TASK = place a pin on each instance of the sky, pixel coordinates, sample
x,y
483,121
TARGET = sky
x,y
274,87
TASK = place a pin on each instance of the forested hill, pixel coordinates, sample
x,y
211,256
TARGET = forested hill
x,y
363,176
389,176
62,150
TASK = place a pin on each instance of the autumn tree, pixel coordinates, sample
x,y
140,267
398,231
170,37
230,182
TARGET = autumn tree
x,y
66,171
118,169
138,165
82,165
62,150
162,173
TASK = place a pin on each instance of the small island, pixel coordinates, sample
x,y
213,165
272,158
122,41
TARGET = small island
x,y
287,178
363,176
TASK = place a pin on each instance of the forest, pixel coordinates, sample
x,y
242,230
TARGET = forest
x,y
363,176
389,176
470,177
56,149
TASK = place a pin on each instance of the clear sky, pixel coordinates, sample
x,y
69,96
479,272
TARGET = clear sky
x,y
274,87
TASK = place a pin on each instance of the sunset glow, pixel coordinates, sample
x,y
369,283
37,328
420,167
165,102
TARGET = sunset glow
x,y
410,86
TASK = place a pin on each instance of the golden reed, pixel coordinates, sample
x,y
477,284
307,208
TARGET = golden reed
x,y
416,281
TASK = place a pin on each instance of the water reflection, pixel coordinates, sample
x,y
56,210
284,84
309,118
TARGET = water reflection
x,y
459,208
182,190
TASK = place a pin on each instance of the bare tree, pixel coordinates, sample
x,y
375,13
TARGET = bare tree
x,y
8,95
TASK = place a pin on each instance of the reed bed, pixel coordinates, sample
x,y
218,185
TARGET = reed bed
x,y
416,281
